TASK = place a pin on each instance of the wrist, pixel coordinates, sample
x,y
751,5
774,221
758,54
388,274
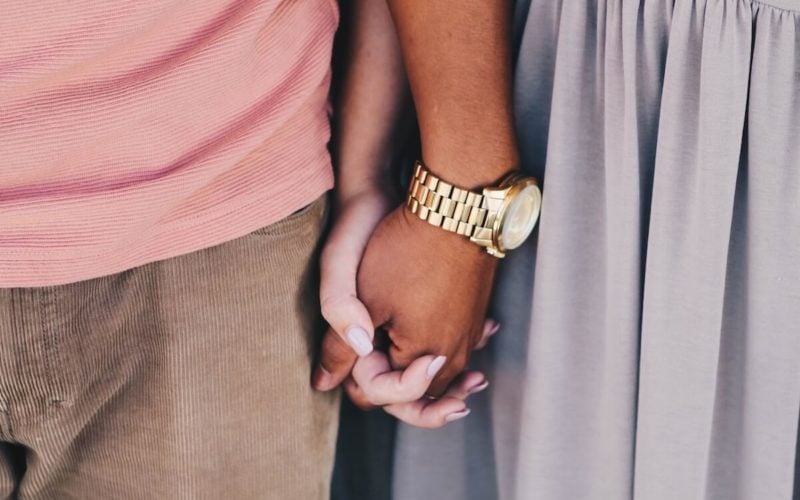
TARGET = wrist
x,y
498,218
349,191
471,161
446,244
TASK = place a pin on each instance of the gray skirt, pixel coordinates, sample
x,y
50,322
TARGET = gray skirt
x,y
650,346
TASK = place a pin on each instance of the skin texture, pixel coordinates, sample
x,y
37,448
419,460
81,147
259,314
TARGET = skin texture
x,y
371,97
458,58
436,303
428,288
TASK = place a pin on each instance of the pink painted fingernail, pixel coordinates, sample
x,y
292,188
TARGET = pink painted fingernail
x,y
457,415
495,327
478,388
435,366
359,340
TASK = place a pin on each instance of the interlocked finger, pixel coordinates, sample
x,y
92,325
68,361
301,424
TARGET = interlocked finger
x,y
382,386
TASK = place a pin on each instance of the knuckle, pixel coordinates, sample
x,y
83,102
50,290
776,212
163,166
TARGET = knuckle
x,y
369,396
331,304
460,361
408,390
415,391
399,358
362,404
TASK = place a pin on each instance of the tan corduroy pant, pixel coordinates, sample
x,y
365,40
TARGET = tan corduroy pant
x,y
184,378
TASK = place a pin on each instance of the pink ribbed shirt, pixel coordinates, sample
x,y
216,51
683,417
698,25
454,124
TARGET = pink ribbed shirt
x,y
133,131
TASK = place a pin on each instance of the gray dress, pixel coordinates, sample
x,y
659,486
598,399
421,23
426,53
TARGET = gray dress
x,y
650,346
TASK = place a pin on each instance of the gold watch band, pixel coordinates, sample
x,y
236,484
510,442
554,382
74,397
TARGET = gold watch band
x,y
453,209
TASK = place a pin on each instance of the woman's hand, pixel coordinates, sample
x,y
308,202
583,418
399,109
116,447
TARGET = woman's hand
x,y
402,393
351,328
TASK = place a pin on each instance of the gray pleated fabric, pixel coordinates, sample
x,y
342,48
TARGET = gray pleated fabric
x,y
650,346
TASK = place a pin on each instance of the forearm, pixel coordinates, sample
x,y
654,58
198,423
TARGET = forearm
x,y
457,56
370,98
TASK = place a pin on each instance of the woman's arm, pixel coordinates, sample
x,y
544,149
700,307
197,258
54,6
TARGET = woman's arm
x,y
371,97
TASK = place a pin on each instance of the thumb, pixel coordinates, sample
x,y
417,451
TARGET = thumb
x,y
339,264
350,322
349,318
349,336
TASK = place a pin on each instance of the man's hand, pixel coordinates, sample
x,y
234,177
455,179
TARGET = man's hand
x,y
429,289
369,380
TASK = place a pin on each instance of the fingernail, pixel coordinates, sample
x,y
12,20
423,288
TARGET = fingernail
x,y
494,328
435,366
457,415
322,379
358,339
478,388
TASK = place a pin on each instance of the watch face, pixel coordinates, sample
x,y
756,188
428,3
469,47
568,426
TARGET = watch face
x,y
520,217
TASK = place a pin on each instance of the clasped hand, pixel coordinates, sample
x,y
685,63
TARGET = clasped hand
x,y
423,290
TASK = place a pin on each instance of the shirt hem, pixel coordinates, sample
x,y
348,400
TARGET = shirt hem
x,y
170,240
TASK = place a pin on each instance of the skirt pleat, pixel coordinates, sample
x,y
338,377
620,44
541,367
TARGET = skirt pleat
x,y
650,340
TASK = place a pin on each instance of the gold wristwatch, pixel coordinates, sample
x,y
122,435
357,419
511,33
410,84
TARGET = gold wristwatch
x,y
499,218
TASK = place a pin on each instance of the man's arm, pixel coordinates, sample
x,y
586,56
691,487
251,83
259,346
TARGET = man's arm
x,y
373,94
457,55
427,287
